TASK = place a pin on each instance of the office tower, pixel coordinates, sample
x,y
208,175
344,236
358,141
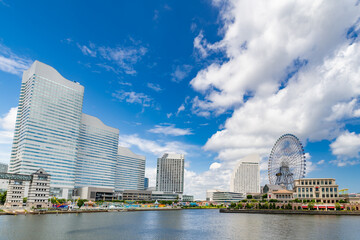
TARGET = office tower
x,y
146,183
47,126
3,167
246,176
170,173
97,154
130,171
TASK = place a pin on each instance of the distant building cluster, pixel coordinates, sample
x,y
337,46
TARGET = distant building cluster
x,y
78,151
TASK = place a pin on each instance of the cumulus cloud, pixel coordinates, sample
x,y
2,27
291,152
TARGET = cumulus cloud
x,y
12,63
347,148
7,126
170,129
180,109
291,67
285,66
156,148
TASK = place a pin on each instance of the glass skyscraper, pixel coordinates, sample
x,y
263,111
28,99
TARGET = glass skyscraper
x,y
97,154
47,125
76,149
130,170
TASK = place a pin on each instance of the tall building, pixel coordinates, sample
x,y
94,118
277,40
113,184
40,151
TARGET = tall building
x,y
170,173
130,172
146,183
76,149
47,126
97,154
3,167
246,176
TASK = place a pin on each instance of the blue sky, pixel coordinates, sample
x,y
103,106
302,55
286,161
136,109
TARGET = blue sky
x,y
216,80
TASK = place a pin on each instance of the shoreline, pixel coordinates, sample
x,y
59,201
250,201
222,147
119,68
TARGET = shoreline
x,y
291,212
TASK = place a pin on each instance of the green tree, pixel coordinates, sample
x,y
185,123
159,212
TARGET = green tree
x,y
81,202
244,200
266,205
338,206
249,197
3,197
311,206
264,196
25,199
273,200
233,205
240,206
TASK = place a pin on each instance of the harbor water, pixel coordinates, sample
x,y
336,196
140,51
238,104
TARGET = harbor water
x,y
181,224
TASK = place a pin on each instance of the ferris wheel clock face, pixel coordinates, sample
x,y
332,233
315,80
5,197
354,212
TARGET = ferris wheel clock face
x,y
287,161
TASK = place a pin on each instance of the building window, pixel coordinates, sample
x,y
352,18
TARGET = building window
x,y
311,189
325,182
322,182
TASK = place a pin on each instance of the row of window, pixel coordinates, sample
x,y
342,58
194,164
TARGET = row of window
x,y
41,184
316,195
40,189
40,195
40,200
322,189
316,182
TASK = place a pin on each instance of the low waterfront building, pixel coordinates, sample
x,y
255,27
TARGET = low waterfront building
x,y
322,190
187,198
34,186
282,195
39,189
223,196
136,195
95,193
165,196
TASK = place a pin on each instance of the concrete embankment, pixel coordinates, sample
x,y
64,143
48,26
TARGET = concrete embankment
x,y
296,212
16,212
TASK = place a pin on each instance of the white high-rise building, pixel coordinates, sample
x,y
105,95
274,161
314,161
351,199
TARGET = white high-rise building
x,y
246,176
97,154
130,171
47,126
170,173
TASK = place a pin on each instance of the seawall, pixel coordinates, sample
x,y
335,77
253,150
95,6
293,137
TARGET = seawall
x,y
293,212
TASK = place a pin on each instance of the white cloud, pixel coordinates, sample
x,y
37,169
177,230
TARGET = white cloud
x,y
170,129
291,68
215,165
346,146
267,102
155,87
168,115
181,72
321,162
156,148
12,63
7,126
134,97
180,109
123,57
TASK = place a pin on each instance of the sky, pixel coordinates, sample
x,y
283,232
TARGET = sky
x,y
216,80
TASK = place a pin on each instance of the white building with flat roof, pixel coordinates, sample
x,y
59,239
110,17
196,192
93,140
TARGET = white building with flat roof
x,y
170,173
246,175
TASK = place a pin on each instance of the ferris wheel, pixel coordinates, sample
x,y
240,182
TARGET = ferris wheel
x,y
287,161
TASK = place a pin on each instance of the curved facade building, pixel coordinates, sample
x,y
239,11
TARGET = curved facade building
x,y
47,126
246,176
130,172
97,154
